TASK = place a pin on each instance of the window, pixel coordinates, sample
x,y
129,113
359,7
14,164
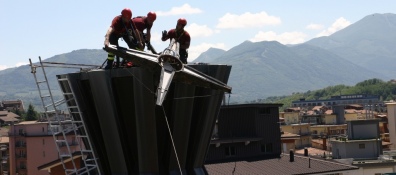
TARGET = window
x,y
362,146
43,142
43,153
74,141
43,129
266,148
230,151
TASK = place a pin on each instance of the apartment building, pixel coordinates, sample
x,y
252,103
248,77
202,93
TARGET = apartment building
x,y
362,141
246,130
291,117
320,131
363,99
31,144
4,154
12,105
7,118
302,130
247,140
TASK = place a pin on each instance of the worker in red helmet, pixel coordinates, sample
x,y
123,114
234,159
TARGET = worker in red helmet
x,y
145,23
181,36
122,26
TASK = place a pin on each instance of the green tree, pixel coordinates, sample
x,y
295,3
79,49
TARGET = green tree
x,y
31,114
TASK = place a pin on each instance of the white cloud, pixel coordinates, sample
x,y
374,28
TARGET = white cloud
x,y
339,24
247,20
195,51
21,64
184,9
315,26
196,30
2,67
284,38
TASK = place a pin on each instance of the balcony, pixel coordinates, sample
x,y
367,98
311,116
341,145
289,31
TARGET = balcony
x,y
20,145
304,133
5,157
20,156
21,169
3,147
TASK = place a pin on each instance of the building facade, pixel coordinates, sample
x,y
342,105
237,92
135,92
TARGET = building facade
x,y
243,131
362,141
340,100
303,131
32,145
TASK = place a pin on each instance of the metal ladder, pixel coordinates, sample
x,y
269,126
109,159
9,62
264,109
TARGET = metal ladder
x,y
61,128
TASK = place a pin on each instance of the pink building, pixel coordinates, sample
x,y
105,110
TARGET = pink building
x,y
31,145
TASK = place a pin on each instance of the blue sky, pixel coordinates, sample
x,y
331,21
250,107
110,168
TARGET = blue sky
x,y
46,28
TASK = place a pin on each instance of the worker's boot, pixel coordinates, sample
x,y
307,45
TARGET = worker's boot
x,y
110,60
109,64
117,63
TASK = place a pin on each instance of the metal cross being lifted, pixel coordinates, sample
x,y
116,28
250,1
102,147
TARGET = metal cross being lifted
x,y
170,65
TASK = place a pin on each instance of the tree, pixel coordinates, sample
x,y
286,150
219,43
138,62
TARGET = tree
x,y
31,114
19,112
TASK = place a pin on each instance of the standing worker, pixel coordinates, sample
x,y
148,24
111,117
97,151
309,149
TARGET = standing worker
x,y
181,36
122,26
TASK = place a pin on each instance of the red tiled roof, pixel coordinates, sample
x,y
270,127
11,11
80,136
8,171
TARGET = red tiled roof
x,y
281,166
329,111
8,116
288,134
317,107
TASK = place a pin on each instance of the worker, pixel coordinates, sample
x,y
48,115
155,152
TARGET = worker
x,y
145,23
181,36
122,26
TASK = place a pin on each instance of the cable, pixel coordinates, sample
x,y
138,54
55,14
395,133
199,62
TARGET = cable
x,y
180,98
173,144
137,79
235,163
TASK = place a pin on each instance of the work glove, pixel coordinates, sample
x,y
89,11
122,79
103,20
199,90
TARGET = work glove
x,y
164,33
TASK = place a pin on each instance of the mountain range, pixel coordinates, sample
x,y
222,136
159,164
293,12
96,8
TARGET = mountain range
x,y
361,51
358,52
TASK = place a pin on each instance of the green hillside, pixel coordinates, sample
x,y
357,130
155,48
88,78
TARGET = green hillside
x,y
386,90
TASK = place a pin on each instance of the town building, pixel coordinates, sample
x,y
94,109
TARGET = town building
x,y
362,141
12,105
364,99
7,118
303,131
5,155
31,144
247,140
240,137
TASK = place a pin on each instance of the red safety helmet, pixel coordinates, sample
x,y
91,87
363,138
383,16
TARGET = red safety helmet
x,y
152,16
127,13
182,22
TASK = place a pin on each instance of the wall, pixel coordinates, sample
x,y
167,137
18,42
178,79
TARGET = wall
x,y
391,108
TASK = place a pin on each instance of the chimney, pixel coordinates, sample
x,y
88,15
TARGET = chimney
x,y
291,155
324,143
306,152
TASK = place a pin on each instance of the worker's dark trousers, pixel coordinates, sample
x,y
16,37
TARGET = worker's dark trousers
x,y
183,55
113,40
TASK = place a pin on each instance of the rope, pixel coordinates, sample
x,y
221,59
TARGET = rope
x,y
181,98
166,119
173,144
139,81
